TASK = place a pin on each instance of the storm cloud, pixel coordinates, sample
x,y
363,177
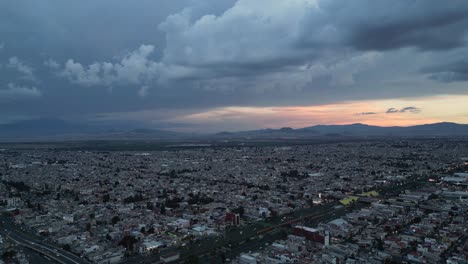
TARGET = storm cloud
x,y
456,71
83,59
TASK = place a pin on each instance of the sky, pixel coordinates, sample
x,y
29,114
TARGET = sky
x,y
230,65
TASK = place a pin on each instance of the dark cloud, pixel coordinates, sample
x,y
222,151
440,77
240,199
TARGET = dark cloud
x,y
408,109
439,32
391,111
450,72
117,56
367,113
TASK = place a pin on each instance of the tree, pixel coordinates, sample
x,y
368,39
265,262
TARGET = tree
x,y
66,247
128,242
379,244
273,213
106,198
413,244
200,199
390,261
163,209
192,259
8,255
239,210
149,206
134,198
115,219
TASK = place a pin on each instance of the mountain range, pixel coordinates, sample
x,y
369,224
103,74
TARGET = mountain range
x,y
56,129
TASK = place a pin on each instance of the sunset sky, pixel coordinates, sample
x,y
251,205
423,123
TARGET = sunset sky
x,y
218,65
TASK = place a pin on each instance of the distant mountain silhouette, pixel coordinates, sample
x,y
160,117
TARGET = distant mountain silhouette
x,y
437,129
224,133
57,129
152,133
37,128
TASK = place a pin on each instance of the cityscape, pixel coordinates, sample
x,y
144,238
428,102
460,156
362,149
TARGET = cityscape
x,y
234,131
350,202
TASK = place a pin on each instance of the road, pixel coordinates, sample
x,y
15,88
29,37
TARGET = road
x,y
35,257
246,237
13,232
310,216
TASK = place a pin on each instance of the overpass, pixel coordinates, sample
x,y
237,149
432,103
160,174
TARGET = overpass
x,y
22,238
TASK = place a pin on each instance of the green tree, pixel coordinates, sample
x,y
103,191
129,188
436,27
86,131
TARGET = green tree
x,y
192,259
128,242
239,210
115,219
149,206
66,247
8,255
106,198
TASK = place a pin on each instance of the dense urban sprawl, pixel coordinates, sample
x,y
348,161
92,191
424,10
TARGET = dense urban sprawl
x,y
359,202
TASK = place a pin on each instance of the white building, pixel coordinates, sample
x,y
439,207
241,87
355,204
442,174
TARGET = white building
x,y
247,259
150,246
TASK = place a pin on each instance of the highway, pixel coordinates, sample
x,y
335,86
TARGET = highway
x,y
251,235
13,232
246,237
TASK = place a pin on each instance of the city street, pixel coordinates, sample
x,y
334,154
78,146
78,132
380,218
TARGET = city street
x,y
10,230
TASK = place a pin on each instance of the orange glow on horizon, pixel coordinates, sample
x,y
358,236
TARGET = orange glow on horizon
x,y
428,110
